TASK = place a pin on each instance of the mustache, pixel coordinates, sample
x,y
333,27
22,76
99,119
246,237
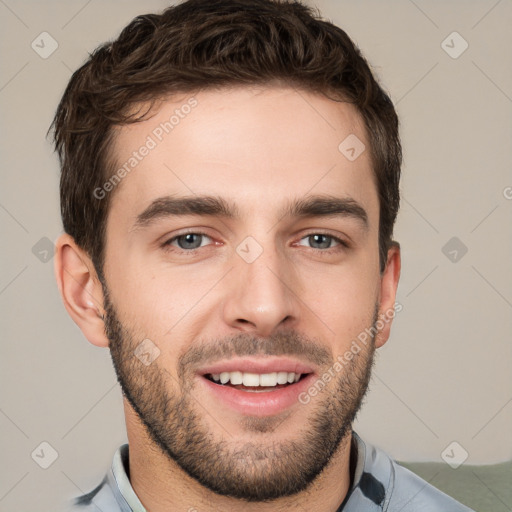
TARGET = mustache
x,y
284,343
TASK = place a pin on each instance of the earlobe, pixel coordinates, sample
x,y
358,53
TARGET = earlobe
x,y
388,287
80,289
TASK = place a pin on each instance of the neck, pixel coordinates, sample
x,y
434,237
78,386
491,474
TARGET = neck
x,y
162,485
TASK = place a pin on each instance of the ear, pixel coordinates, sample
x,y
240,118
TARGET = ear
x,y
388,287
80,289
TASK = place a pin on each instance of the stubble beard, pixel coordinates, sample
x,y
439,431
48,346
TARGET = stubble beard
x,y
250,471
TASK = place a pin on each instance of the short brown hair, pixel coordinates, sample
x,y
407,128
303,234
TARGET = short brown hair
x,y
198,45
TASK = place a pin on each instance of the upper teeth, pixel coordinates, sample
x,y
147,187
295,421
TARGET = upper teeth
x,y
256,379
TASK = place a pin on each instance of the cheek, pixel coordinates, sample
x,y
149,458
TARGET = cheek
x,y
138,295
347,308
163,303
344,300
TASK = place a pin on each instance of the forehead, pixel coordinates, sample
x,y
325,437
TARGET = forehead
x,y
257,146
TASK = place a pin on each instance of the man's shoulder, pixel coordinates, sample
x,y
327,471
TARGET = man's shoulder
x,y
114,493
100,498
394,488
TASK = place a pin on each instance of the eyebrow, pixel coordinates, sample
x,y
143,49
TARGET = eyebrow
x,y
216,206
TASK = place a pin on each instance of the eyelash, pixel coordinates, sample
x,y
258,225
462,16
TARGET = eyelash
x,y
342,244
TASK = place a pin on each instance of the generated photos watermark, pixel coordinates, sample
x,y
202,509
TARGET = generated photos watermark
x,y
344,359
152,140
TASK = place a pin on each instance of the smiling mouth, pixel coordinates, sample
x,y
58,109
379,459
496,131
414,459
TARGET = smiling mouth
x,y
256,382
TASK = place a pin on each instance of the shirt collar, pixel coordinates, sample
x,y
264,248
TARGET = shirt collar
x,y
120,482
119,479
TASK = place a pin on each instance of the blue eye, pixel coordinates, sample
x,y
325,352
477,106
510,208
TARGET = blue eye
x,y
323,241
187,241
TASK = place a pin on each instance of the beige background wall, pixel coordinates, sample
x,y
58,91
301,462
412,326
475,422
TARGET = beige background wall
x,y
444,376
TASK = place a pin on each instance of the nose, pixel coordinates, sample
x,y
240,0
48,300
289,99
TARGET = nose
x,y
262,295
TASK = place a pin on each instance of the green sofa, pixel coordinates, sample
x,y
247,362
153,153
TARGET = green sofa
x,y
482,488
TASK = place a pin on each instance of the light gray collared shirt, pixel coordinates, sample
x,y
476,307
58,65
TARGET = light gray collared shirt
x,y
379,485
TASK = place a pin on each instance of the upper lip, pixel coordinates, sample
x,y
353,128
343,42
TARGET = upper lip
x,y
268,364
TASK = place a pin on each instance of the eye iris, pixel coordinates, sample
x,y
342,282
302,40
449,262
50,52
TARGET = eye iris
x,y
323,240
189,242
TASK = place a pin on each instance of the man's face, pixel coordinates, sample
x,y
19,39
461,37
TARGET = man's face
x,y
265,290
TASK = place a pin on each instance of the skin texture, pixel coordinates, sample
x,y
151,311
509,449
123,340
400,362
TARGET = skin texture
x,y
259,148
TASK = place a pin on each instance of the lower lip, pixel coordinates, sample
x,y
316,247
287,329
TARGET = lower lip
x,y
263,403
